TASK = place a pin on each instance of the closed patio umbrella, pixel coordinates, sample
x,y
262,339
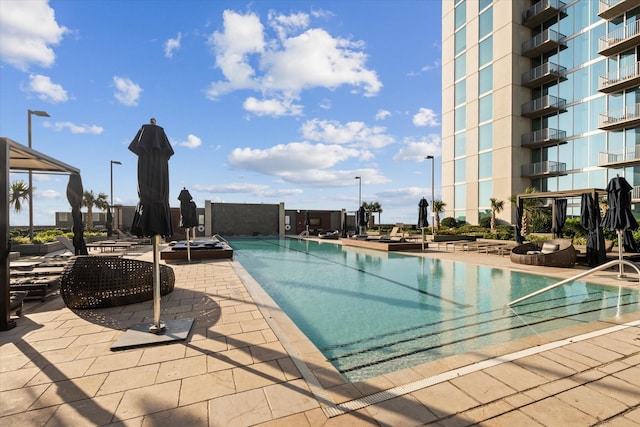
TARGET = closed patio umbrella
x,y
109,223
559,217
362,219
307,221
619,216
590,221
423,215
74,196
152,217
188,215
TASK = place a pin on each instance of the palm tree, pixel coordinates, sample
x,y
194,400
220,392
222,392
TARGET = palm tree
x,y
18,195
530,208
438,208
496,207
89,200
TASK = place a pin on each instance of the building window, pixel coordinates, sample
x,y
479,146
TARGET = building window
x,y
486,23
460,40
484,3
485,108
486,80
460,196
460,118
460,91
485,165
460,66
460,144
485,137
460,15
486,51
485,193
460,170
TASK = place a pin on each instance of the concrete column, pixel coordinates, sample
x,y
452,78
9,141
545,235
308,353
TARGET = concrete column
x,y
208,218
281,219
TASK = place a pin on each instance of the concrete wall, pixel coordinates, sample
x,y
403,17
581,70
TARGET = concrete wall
x,y
244,219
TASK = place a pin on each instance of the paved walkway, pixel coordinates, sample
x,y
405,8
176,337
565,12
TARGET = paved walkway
x,y
246,364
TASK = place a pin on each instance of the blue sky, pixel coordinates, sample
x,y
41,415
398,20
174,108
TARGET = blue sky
x,y
263,101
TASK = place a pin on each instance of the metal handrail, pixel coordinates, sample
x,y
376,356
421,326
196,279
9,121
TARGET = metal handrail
x,y
576,277
219,237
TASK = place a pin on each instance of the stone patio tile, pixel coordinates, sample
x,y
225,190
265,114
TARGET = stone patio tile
x,y
629,374
52,344
445,399
47,334
228,318
624,391
555,412
515,418
267,351
516,376
257,324
257,375
148,400
239,410
127,379
295,420
196,415
95,411
70,391
33,418
544,367
290,398
571,359
401,411
182,368
289,368
106,336
487,412
245,339
482,387
16,379
228,360
13,361
343,393
62,371
352,419
224,329
162,353
115,361
20,399
624,346
207,386
593,351
206,345
592,402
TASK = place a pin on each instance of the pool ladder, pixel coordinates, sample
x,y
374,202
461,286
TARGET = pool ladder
x,y
604,266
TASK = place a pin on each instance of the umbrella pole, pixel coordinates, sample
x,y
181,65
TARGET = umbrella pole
x,y
422,239
158,326
188,246
620,243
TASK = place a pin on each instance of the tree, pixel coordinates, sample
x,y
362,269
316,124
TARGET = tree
x,y
531,208
18,195
438,208
89,200
496,207
371,208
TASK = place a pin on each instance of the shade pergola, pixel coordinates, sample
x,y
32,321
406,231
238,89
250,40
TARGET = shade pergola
x,y
15,157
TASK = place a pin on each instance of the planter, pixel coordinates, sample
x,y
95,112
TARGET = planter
x,y
37,248
453,238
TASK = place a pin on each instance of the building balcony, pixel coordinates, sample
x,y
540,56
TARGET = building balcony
x,y
543,138
635,194
542,43
624,118
617,81
619,40
542,169
543,74
609,9
541,11
630,157
543,106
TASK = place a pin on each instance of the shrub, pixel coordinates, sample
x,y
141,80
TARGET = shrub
x,y
540,224
485,222
572,229
449,222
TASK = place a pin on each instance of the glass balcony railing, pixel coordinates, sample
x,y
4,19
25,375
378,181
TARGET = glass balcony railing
x,y
541,11
543,42
608,9
626,117
619,40
543,137
626,158
617,80
543,168
545,105
542,74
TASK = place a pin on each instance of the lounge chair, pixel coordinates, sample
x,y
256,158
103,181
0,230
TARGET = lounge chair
x,y
550,253
68,244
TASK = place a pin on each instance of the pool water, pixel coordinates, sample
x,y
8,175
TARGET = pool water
x,y
373,312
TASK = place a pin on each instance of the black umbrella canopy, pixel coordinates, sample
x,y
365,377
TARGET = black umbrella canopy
x,y
152,216
362,217
559,217
619,215
188,211
307,219
74,196
109,223
423,213
590,221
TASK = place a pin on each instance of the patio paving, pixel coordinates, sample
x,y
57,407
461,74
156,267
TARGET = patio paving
x,y
245,364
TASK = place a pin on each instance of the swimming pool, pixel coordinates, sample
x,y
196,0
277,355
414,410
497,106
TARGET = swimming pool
x,y
373,312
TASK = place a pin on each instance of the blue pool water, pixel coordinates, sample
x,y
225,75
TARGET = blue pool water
x,y
373,312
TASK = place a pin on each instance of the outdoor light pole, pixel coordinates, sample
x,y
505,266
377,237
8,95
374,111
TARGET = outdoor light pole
x,y
39,114
433,211
359,202
112,163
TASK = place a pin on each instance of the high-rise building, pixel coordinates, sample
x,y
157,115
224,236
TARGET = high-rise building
x,y
542,94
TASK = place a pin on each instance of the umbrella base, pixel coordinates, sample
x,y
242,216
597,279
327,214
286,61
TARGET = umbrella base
x,y
141,335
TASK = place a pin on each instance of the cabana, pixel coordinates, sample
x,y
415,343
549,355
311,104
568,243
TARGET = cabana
x,y
15,157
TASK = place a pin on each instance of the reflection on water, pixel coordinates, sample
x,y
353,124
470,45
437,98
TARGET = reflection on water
x,y
372,312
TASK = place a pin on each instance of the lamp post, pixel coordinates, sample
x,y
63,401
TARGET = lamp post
x,y
38,113
433,211
111,165
359,202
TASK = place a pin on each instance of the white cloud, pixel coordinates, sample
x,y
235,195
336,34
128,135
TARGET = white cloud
x,y
76,129
127,92
28,29
191,142
47,194
46,89
430,145
382,114
257,190
282,67
425,117
350,133
272,107
171,45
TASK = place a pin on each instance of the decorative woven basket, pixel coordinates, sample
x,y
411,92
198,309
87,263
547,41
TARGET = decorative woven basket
x,y
104,281
564,257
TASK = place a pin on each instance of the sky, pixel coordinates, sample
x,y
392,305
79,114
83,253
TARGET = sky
x,y
263,101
